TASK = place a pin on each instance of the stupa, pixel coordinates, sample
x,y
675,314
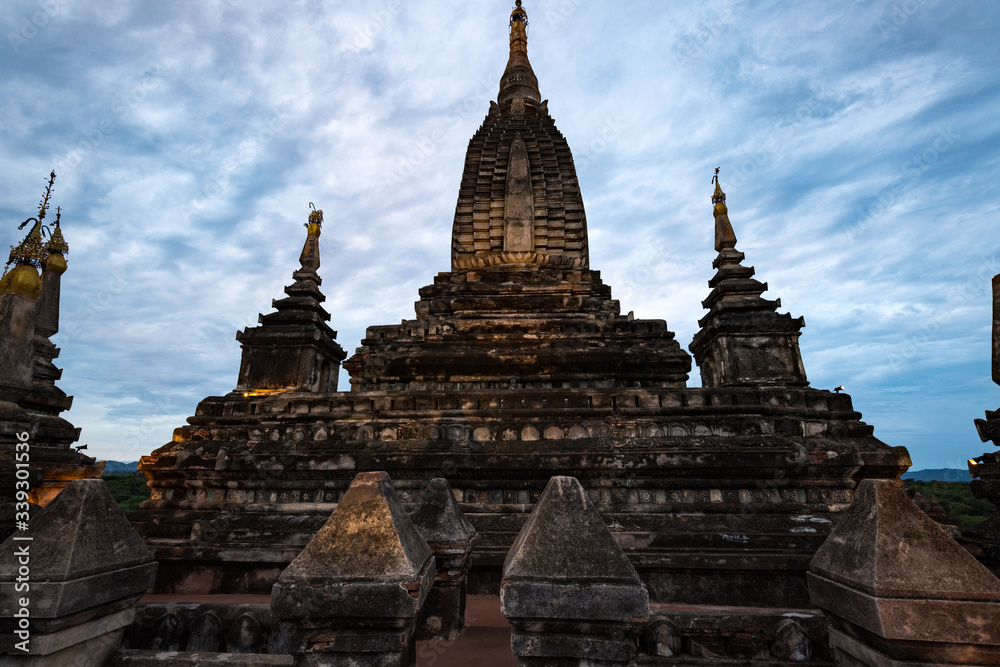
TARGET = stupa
x,y
36,442
518,366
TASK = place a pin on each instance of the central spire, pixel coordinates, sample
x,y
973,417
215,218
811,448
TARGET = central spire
x,y
519,203
518,80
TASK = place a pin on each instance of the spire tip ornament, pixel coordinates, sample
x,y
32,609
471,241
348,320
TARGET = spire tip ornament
x,y
718,197
309,259
315,225
33,252
725,237
518,79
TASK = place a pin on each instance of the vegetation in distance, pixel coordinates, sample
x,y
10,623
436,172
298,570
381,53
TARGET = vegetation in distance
x,y
127,490
961,507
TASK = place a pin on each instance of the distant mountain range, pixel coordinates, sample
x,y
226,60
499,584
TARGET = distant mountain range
x,y
938,475
120,468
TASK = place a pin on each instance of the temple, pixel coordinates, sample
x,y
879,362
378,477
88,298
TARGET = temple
x,y
519,436
518,365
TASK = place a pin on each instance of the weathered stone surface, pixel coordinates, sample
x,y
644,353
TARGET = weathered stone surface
x,y
995,365
245,636
693,635
440,520
87,567
207,634
140,658
565,540
983,540
890,578
17,313
81,546
887,547
240,628
369,539
357,588
568,589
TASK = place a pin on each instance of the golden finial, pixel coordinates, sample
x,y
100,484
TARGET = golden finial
x,y
32,251
518,80
519,29
315,224
309,259
57,242
30,254
725,237
718,197
44,205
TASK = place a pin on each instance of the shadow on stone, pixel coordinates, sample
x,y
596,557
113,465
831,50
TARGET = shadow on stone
x,y
451,537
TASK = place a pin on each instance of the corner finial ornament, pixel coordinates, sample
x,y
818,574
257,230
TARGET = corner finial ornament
x,y
315,224
719,197
57,242
309,259
725,237
32,254
32,251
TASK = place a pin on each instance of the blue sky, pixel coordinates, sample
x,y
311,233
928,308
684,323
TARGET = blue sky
x,y
859,144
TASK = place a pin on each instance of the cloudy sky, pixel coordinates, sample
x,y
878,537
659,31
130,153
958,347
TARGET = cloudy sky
x,y
859,144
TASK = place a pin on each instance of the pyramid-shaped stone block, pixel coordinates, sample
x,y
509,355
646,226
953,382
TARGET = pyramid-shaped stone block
x,y
885,546
86,568
565,539
83,553
895,584
80,533
568,589
368,559
566,546
440,519
438,516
